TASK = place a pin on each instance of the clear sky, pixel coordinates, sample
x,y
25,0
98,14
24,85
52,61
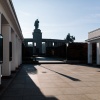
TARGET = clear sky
x,y
58,17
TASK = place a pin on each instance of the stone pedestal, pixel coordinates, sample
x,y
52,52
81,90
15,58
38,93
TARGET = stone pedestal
x,y
37,42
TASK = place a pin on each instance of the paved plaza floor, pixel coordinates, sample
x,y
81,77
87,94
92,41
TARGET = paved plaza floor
x,y
55,82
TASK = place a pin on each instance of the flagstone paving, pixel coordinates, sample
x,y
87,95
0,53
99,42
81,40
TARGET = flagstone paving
x,y
55,82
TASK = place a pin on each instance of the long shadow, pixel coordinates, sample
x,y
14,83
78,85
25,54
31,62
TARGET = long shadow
x,y
24,88
98,71
73,79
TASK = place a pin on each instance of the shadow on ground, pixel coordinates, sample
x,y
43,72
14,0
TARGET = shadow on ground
x,y
24,88
72,78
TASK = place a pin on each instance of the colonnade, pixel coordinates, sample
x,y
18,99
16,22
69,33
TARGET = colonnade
x,y
53,44
12,39
12,50
45,44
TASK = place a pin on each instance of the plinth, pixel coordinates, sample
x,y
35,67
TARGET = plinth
x,y
37,42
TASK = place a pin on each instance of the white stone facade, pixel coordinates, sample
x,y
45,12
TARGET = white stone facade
x,y
94,37
12,34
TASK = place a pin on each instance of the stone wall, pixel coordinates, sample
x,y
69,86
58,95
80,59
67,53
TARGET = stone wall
x,y
56,51
77,51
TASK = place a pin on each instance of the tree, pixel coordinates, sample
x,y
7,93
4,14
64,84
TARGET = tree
x,y
70,39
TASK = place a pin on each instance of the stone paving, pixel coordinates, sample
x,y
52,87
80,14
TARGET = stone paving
x,y
55,82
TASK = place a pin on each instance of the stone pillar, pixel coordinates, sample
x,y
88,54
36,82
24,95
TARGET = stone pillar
x,y
55,44
45,48
0,73
0,33
13,64
0,23
21,52
49,44
18,49
17,52
89,53
6,67
98,53
16,63
46,45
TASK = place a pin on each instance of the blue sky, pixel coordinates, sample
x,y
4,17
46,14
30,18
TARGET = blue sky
x,y
59,17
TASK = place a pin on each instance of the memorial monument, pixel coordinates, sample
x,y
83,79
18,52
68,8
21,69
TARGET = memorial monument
x,y
37,39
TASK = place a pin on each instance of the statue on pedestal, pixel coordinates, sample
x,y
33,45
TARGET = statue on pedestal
x,y
37,38
36,24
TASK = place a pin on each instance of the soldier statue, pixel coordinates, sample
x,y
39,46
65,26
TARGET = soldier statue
x,y
36,24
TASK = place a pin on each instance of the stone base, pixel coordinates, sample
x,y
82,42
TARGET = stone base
x,y
37,31
37,42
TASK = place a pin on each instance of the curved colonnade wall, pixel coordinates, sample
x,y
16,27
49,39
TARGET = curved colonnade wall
x,y
45,43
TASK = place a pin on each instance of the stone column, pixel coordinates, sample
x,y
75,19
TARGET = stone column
x,y
13,36
21,52
17,52
89,53
45,48
46,45
98,53
0,73
0,33
49,44
55,44
0,23
6,67
16,61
